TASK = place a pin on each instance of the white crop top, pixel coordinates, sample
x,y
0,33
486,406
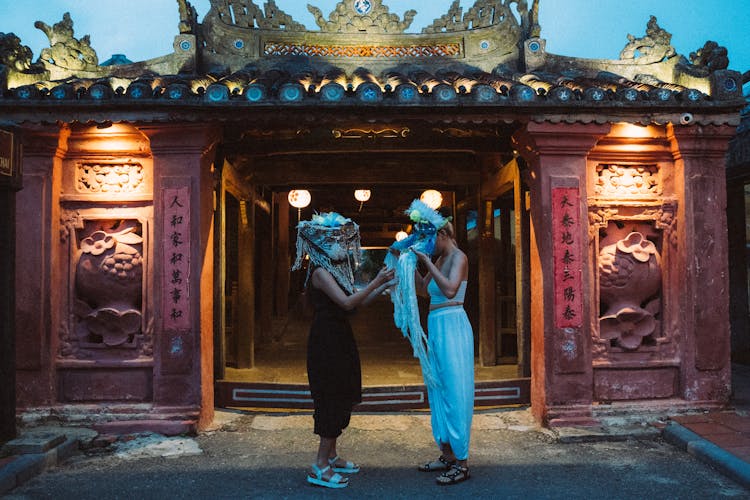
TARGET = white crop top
x,y
437,297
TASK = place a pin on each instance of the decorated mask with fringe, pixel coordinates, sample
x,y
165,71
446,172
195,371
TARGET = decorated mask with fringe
x,y
332,242
427,222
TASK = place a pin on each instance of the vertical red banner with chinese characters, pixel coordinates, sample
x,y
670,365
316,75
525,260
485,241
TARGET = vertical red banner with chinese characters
x,y
176,265
568,255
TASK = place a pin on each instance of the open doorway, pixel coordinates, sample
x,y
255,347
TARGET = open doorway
x,y
391,375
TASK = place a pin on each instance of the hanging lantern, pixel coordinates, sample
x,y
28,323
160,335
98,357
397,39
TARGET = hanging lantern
x,y
432,198
362,195
299,198
401,235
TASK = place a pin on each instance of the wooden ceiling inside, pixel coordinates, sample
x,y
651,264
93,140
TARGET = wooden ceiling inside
x,y
396,162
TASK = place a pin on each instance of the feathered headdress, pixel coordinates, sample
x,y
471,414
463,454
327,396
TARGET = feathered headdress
x,y
427,222
332,242
421,213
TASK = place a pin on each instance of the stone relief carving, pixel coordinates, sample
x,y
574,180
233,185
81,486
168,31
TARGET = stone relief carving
x,y
711,56
279,20
15,59
65,51
14,55
245,14
629,285
108,283
362,16
706,60
109,178
627,180
654,47
68,221
665,220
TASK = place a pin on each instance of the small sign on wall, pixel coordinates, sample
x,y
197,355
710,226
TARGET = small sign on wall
x,y
569,256
176,266
7,166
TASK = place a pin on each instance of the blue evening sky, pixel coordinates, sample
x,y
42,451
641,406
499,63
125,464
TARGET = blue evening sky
x,y
142,29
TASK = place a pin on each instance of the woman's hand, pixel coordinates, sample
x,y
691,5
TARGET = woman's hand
x,y
385,275
422,257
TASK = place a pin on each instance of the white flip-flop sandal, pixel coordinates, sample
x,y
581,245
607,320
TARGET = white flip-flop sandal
x,y
348,468
335,481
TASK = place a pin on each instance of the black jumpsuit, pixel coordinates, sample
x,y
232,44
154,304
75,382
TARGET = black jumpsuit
x,y
333,366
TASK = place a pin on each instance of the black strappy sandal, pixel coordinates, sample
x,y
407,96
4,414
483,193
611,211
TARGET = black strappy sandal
x,y
441,463
456,474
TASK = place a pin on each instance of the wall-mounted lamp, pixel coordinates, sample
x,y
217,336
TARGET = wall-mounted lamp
x,y
299,199
401,235
361,195
432,198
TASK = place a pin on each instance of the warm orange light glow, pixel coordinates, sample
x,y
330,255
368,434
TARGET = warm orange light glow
x,y
362,195
633,130
299,198
115,138
401,235
432,198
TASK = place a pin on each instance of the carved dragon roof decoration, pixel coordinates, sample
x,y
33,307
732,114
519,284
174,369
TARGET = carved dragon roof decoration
x,y
492,55
365,32
361,16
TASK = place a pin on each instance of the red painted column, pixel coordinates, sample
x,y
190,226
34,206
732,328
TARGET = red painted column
x,y
561,373
37,297
183,267
699,153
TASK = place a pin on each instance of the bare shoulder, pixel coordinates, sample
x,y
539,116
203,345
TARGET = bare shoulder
x,y
320,275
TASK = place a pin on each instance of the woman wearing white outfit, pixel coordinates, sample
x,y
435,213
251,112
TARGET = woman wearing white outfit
x,y
450,349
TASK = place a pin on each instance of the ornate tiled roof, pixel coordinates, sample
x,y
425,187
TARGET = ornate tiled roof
x,y
299,82
490,57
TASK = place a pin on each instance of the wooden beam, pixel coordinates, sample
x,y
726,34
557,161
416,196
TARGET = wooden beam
x,y
487,302
282,262
245,314
451,170
499,182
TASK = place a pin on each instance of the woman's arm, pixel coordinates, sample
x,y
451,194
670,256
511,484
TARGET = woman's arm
x,y
324,281
375,293
457,272
421,282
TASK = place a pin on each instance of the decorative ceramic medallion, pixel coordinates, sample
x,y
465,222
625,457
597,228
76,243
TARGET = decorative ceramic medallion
x,y
362,7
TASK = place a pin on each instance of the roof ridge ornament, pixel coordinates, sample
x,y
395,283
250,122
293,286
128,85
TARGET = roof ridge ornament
x,y
246,14
65,51
654,47
188,17
486,13
362,16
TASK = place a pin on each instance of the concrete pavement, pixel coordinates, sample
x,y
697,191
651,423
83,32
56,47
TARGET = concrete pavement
x,y
703,455
720,438
268,456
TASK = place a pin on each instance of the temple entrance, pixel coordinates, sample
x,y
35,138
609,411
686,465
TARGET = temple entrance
x,y
263,319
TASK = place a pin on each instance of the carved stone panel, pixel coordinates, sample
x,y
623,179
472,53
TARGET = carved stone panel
x,y
108,269
115,178
631,248
107,180
617,181
629,288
